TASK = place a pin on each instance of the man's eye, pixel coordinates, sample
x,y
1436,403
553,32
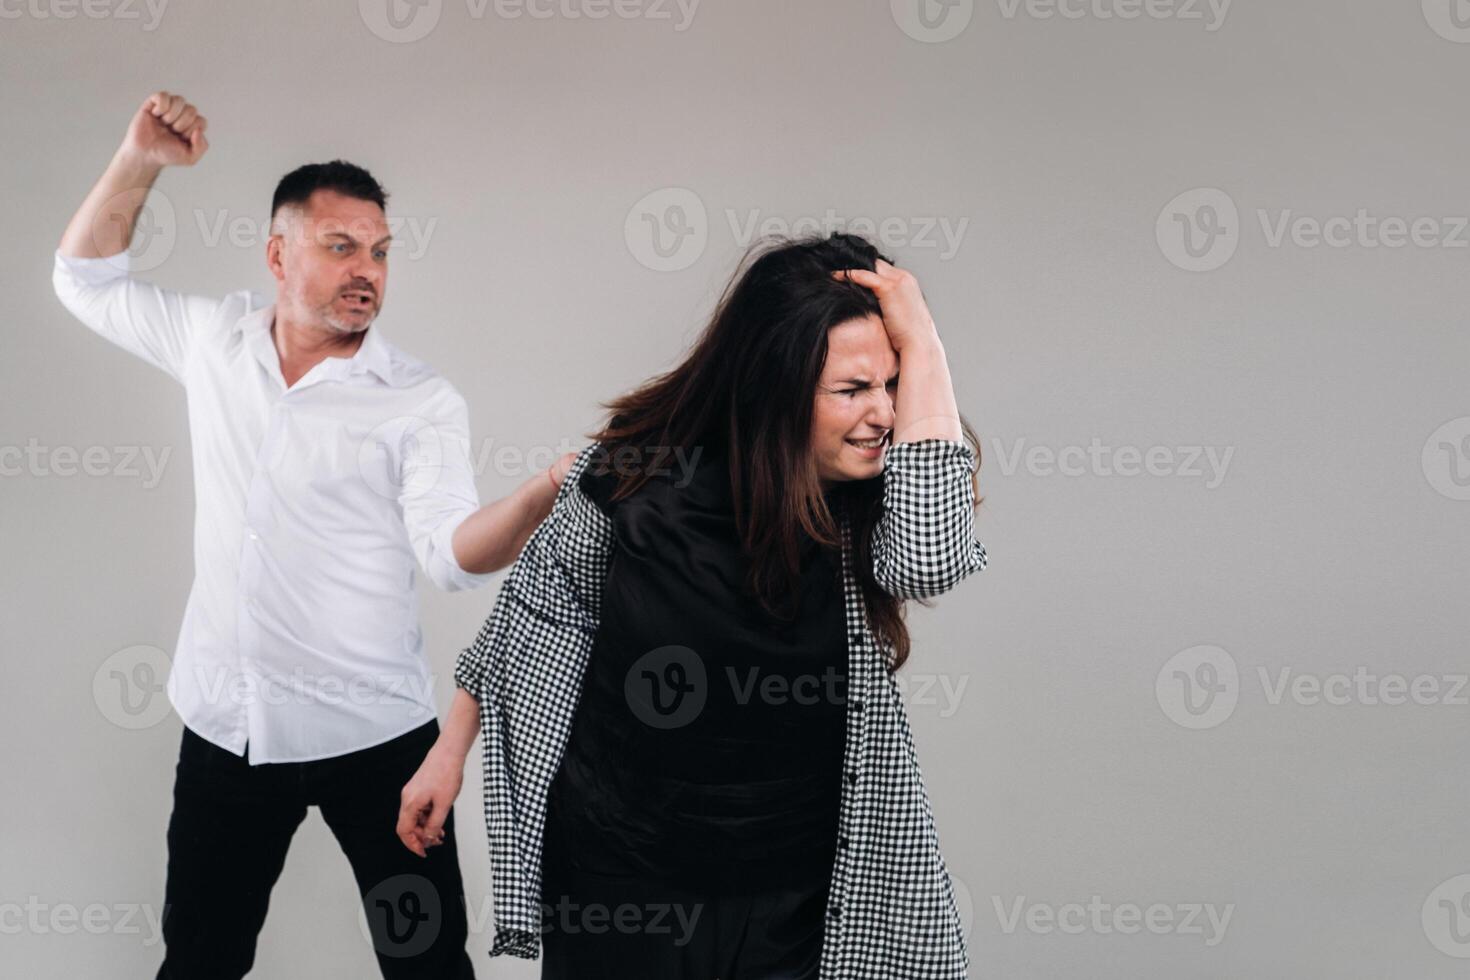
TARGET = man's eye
x,y
339,247
381,253
849,392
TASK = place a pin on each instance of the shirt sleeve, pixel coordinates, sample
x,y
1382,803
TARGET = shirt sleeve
x,y
924,542
437,489
155,324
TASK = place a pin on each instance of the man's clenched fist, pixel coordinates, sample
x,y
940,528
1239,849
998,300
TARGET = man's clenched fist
x,y
167,131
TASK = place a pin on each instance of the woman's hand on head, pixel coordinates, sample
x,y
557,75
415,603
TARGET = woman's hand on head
x,y
906,315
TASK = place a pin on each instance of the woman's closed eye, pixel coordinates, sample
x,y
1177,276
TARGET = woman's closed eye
x,y
890,387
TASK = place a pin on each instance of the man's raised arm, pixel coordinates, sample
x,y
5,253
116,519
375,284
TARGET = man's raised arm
x,y
166,131
90,273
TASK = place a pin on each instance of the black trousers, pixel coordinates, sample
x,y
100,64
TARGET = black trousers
x,y
606,927
227,839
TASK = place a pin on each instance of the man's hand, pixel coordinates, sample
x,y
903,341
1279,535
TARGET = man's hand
x,y
427,797
166,131
560,468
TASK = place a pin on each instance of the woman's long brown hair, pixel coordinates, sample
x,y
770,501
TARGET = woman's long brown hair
x,y
746,389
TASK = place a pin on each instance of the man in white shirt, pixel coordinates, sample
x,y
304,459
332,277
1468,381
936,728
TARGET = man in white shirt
x,y
326,464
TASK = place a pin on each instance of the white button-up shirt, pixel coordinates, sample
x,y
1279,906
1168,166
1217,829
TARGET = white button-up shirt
x,y
301,634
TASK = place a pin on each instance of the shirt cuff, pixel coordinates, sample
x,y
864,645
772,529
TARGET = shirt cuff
x,y
931,452
95,272
446,572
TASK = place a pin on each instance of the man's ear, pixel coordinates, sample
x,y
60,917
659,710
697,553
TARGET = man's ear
x,y
275,257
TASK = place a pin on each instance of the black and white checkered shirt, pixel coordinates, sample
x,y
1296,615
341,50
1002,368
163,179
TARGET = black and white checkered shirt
x,y
891,908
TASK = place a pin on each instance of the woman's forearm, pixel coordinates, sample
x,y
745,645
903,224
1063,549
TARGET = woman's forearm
x,y
461,726
925,406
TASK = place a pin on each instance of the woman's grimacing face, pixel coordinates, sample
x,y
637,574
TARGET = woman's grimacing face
x,y
852,417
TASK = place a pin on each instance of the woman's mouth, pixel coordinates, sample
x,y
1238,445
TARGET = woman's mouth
x,y
869,448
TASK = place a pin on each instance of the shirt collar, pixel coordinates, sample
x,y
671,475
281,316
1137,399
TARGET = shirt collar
x,y
372,355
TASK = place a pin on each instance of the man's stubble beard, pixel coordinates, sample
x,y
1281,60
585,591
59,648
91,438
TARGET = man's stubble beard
x,y
331,320
326,317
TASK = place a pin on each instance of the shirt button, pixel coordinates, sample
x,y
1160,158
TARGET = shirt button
x,y
254,536
857,638
835,912
851,776
843,842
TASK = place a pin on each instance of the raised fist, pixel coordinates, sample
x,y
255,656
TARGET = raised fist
x,y
167,131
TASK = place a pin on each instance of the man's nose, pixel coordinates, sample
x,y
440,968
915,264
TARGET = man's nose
x,y
365,269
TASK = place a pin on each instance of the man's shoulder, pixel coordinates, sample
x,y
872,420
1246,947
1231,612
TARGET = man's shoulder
x,y
415,373
419,390
235,306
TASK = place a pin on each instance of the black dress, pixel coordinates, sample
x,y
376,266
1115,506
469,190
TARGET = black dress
x,y
704,760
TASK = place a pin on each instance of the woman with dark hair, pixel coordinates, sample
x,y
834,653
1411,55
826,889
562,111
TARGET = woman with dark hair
x,y
697,763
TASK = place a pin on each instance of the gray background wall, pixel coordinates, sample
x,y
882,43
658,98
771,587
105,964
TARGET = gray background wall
x,y
1071,753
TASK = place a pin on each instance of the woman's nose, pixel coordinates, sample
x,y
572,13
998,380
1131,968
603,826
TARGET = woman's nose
x,y
880,416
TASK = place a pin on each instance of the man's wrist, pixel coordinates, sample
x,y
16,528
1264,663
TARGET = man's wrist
x,y
134,168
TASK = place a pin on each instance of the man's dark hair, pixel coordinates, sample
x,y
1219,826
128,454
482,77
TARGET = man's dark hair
x,y
345,178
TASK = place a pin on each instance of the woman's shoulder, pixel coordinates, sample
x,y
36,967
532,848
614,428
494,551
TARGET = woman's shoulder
x,y
675,480
599,484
